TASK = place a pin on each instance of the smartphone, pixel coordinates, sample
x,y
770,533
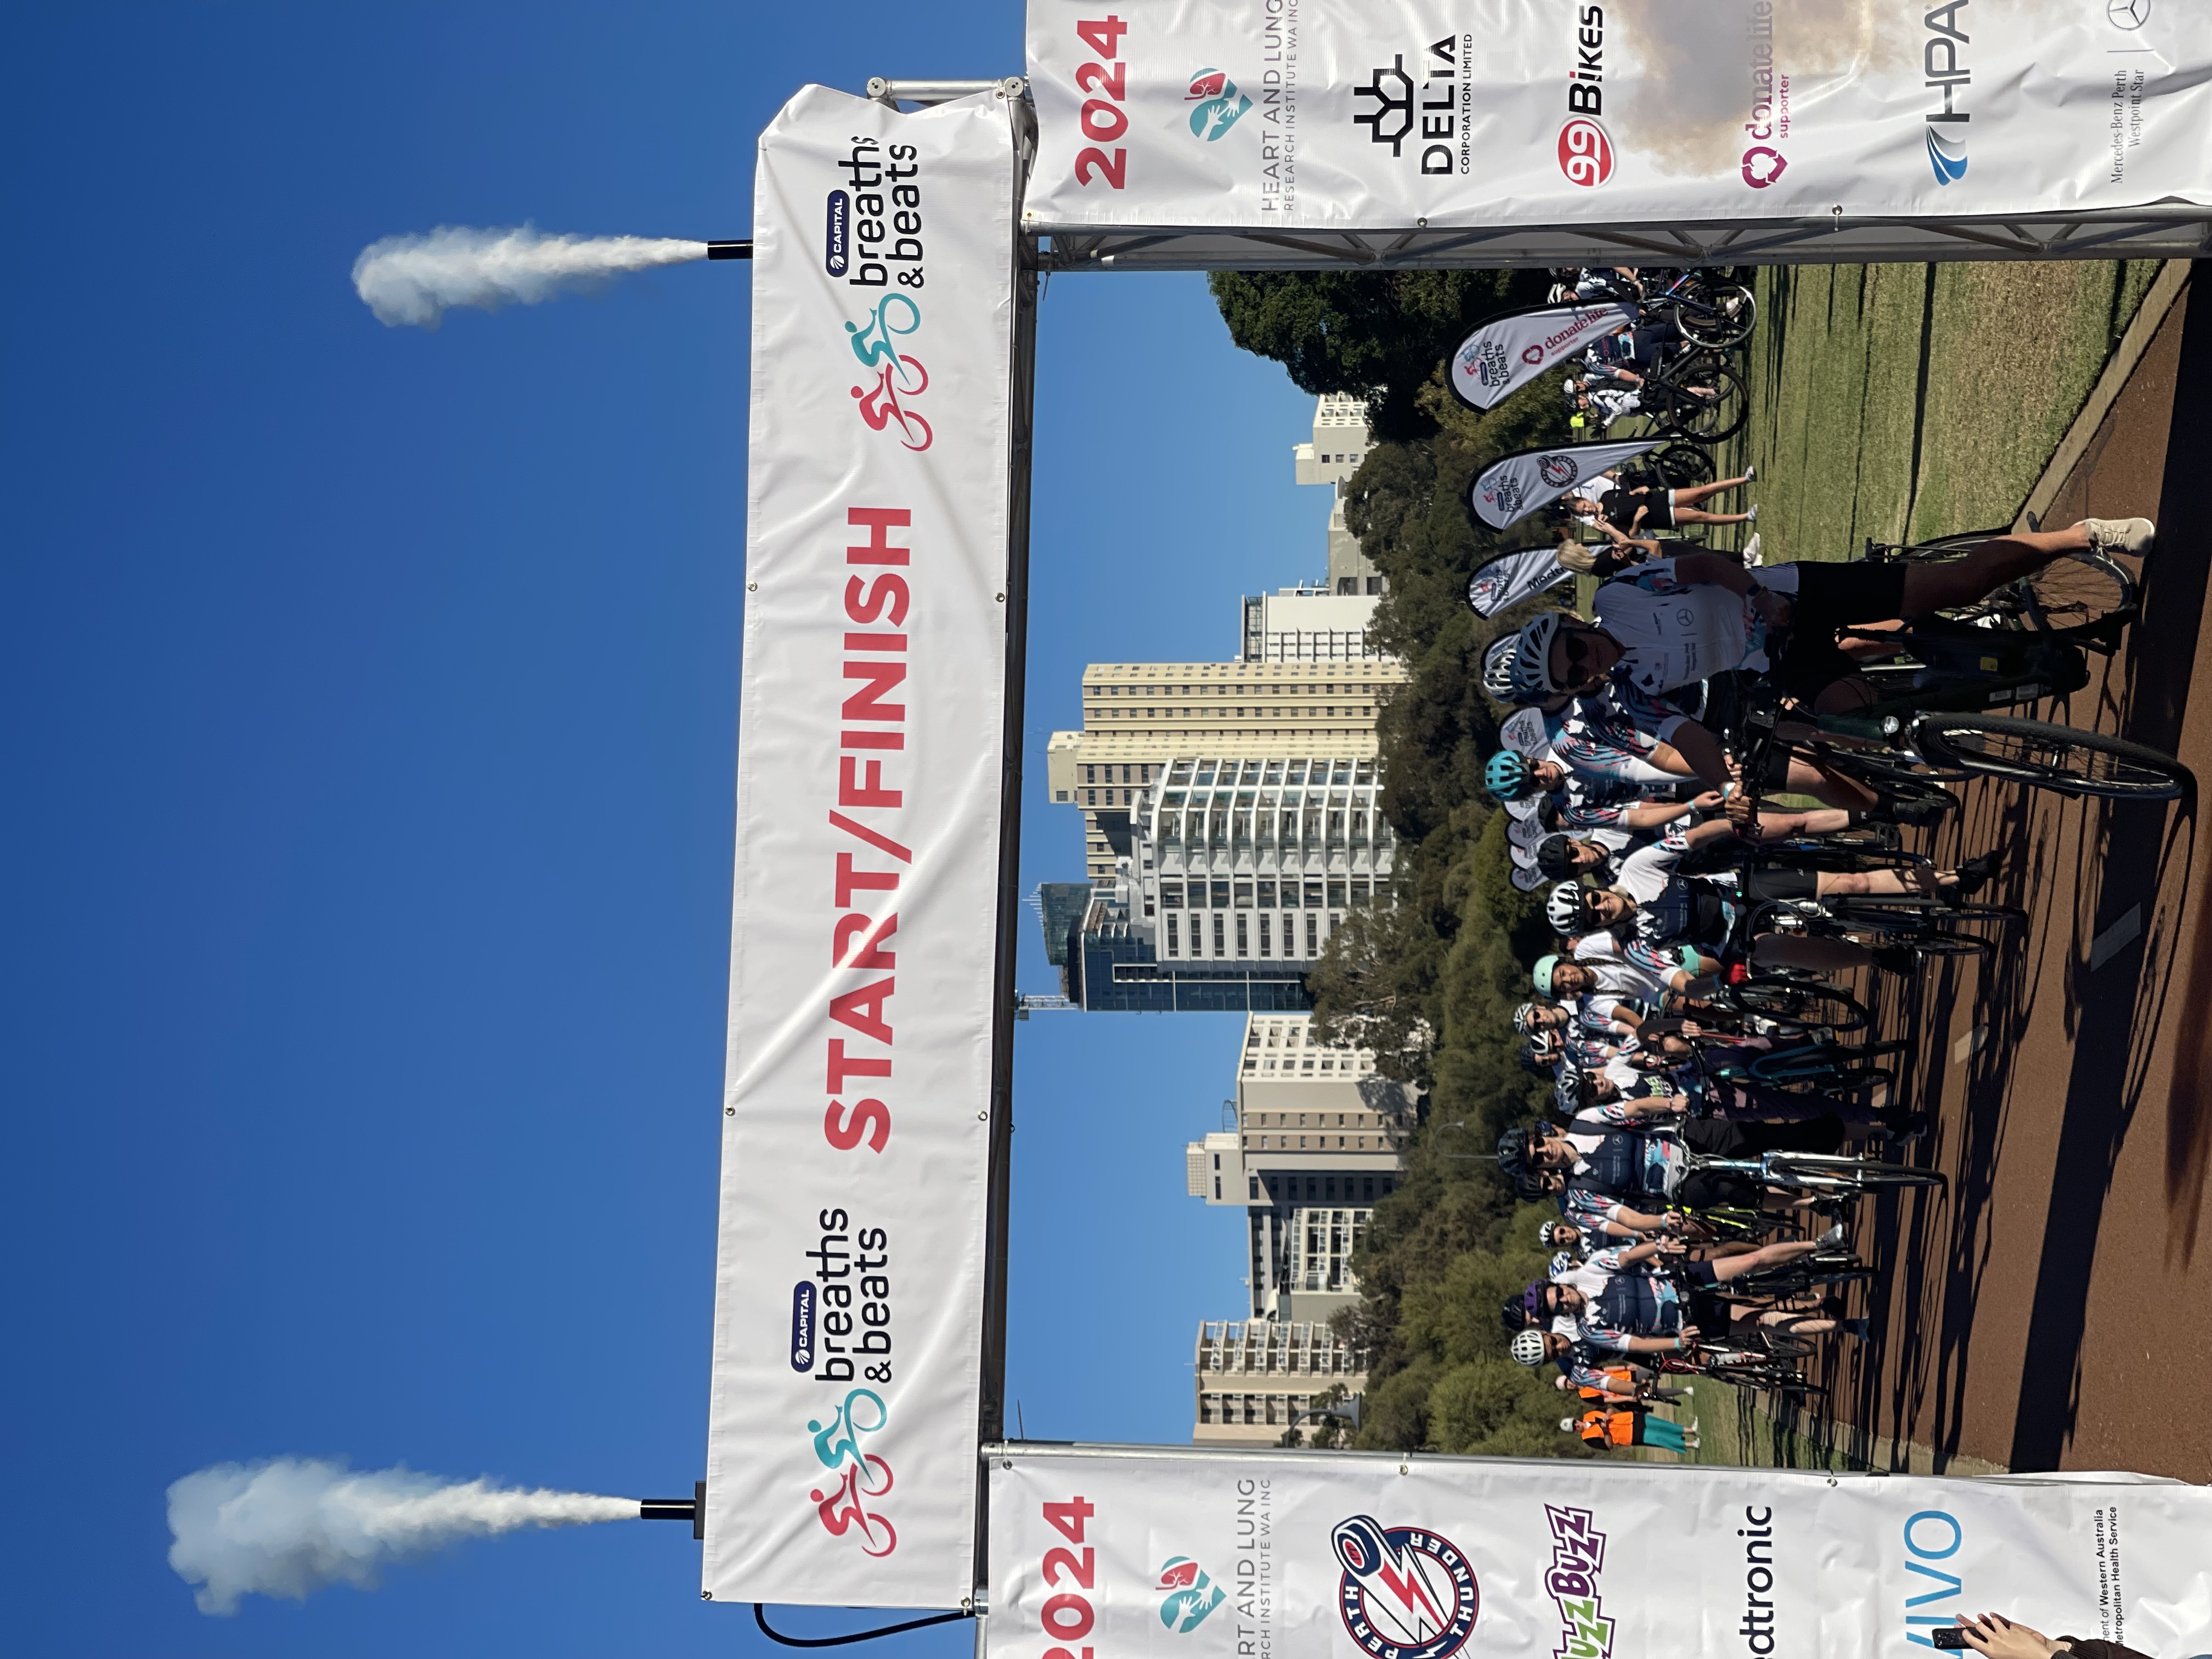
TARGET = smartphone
x,y
1947,1636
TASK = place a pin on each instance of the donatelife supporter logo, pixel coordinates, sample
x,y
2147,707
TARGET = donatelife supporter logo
x,y
1405,1593
1218,103
1190,1595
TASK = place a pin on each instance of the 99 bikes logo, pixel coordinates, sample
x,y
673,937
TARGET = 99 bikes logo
x,y
1585,152
1585,147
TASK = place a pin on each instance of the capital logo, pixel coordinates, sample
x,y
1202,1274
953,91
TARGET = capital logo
x,y
1405,1593
1585,152
1559,470
1762,165
1393,104
2127,14
1218,104
837,234
1190,1595
1948,155
897,375
802,1326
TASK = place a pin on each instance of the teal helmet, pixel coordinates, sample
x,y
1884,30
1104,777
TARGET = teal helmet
x,y
1542,974
1507,776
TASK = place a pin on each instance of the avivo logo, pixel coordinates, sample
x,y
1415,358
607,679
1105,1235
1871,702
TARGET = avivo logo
x,y
1585,147
1405,1593
1219,102
1939,59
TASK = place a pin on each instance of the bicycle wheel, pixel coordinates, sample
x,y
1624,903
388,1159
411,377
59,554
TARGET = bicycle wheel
x,y
1783,1345
1797,1007
1716,313
1683,465
2067,596
2063,758
1707,416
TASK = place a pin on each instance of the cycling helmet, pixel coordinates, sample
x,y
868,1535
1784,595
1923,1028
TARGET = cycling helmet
x,y
1513,1313
1532,659
1530,1348
1571,1091
1542,1053
1542,974
1544,1229
1566,907
1563,1263
1521,1013
1530,1188
1513,1153
1498,667
1507,776
1555,857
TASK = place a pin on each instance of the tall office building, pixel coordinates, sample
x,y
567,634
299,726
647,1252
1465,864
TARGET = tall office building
x,y
1319,1139
1309,624
1340,443
1138,716
1254,1376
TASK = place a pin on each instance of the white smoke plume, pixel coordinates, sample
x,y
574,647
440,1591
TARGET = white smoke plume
x,y
291,1526
416,279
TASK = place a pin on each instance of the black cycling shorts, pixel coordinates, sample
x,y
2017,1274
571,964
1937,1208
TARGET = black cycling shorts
x,y
1764,885
1830,598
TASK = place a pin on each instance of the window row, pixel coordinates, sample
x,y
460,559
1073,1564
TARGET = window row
x,y
1266,893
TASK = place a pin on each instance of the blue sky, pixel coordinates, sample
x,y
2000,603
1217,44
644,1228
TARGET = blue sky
x,y
371,703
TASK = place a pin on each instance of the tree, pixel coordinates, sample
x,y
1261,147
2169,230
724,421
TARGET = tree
x,y
1376,334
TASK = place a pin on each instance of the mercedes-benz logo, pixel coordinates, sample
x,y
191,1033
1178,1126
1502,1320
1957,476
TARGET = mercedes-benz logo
x,y
2127,14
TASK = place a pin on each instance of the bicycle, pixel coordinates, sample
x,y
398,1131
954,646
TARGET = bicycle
x,y
1697,396
1710,306
1840,1173
1786,1003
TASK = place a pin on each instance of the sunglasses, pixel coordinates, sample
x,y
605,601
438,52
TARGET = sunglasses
x,y
1580,652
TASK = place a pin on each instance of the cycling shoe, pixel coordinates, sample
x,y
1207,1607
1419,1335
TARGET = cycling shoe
x,y
2133,536
1974,875
1921,811
1897,959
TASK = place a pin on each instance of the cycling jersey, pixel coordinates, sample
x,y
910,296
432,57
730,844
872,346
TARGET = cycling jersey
x,y
1671,906
1677,633
1619,1301
1628,1163
1596,736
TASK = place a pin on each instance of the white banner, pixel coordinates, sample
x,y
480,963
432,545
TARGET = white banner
x,y
1514,486
1512,577
849,1268
1284,1556
1508,352
1386,114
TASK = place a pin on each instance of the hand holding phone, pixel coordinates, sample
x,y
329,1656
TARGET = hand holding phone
x,y
1947,1636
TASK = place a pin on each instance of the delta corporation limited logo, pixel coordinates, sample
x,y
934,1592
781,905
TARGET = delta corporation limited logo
x,y
1392,117
1218,104
1405,1593
1190,1595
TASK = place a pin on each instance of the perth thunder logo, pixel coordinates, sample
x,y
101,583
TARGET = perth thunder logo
x,y
1406,1593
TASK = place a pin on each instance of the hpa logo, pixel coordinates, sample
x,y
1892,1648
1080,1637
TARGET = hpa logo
x,y
1405,1592
1948,155
1218,104
1190,1595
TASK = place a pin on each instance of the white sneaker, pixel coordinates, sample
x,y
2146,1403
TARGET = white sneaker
x,y
1751,517
2132,537
1752,556
1751,473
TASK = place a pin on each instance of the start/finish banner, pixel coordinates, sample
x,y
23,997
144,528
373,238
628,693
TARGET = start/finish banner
x,y
1282,1556
849,1267
1383,114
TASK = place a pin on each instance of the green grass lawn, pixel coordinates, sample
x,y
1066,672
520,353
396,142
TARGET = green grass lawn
x,y
1908,401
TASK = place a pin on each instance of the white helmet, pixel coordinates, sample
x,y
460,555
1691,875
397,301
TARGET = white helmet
x,y
1566,1425
1531,673
1565,909
1498,667
1563,1263
1530,1348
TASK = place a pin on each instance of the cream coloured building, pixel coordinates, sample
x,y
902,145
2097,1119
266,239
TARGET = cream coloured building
x,y
1340,443
1137,717
1253,1376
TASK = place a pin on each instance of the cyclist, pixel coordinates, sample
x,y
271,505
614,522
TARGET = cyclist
x,y
1627,1301
1652,1165
1674,623
1607,1426
1586,799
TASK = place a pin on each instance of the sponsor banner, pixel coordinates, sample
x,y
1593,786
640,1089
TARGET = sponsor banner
x,y
1514,487
1267,1555
848,1306
1390,114
1508,352
1512,577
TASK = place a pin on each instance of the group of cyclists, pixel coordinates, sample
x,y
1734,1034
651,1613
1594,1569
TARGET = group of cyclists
x,y
1708,1059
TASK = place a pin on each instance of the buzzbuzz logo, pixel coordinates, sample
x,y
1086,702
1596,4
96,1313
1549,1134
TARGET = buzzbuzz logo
x,y
1218,104
1406,1593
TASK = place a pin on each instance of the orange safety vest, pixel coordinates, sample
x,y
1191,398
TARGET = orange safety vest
x,y
1618,1427
1620,1376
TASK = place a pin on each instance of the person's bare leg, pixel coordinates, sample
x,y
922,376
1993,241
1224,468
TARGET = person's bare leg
x,y
1696,515
1693,495
1955,582
1767,1255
